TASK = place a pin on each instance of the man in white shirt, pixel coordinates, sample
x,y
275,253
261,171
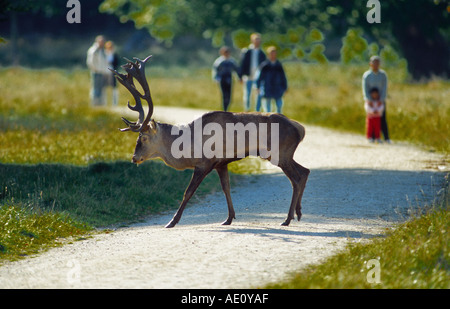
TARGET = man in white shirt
x,y
376,78
250,62
98,65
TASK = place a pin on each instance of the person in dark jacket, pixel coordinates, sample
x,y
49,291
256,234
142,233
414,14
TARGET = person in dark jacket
x,y
250,61
222,72
271,82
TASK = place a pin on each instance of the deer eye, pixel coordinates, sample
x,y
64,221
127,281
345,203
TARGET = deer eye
x,y
144,138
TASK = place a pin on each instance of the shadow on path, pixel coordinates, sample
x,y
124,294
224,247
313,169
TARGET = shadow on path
x,y
332,196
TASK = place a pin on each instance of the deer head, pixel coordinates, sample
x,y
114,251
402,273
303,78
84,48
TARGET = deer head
x,y
144,125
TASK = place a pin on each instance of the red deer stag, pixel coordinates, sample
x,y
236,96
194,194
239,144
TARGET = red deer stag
x,y
164,141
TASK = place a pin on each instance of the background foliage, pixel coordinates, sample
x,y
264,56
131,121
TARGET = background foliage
x,y
420,31
62,163
186,31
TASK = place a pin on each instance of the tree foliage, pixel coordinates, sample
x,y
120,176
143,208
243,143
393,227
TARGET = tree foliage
x,y
419,30
49,7
220,19
356,49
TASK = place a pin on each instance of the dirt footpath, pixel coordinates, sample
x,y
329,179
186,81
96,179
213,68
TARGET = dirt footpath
x,y
355,190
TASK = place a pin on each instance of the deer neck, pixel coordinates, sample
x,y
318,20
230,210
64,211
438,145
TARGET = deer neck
x,y
164,152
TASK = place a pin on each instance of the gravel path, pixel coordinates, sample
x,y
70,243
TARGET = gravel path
x,y
355,190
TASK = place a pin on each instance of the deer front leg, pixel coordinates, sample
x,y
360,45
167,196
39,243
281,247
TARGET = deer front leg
x,y
225,182
197,178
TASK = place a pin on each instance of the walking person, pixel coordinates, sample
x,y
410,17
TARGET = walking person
x,y
271,82
250,61
222,72
98,65
377,78
113,63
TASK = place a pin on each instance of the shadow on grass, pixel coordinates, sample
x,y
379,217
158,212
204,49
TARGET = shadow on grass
x,y
100,194
104,194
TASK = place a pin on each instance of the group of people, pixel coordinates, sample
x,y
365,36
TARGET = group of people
x,y
101,57
267,76
256,71
374,87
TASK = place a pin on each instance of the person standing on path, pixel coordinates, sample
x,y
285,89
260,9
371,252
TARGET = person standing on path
x,y
113,63
250,61
271,80
377,78
374,109
98,65
222,72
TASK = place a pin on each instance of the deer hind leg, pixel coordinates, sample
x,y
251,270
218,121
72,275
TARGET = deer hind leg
x,y
303,174
225,182
197,178
298,176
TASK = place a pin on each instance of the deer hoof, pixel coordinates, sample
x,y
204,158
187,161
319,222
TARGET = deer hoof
x,y
171,224
227,222
286,223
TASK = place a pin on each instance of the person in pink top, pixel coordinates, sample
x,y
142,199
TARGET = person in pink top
x,y
375,77
374,110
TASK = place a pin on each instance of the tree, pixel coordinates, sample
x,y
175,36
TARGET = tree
x,y
167,18
219,19
422,31
419,30
11,8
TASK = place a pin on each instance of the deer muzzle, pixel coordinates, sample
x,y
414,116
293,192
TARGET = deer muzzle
x,y
137,160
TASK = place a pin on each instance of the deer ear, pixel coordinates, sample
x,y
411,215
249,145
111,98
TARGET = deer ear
x,y
152,125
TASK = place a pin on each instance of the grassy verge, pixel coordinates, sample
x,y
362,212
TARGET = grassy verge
x,y
326,95
64,165
56,198
330,96
25,231
64,161
414,254
100,194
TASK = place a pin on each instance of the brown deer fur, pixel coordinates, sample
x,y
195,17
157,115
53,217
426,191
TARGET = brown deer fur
x,y
156,139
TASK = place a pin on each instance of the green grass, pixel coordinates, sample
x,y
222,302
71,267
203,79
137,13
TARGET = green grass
x,y
330,95
61,198
100,194
64,165
55,102
411,255
60,157
25,231
416,113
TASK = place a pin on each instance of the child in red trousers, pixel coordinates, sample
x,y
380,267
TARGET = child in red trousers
x,y
374,109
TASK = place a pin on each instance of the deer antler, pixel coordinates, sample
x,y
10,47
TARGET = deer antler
x,y
136,71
